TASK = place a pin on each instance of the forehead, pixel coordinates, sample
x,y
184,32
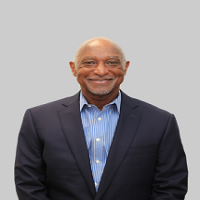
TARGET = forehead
x,y
100,49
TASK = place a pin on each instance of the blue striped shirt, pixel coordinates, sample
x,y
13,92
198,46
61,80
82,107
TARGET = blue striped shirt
x,y
99,128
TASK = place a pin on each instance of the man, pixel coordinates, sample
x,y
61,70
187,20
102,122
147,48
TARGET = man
x,y
100,143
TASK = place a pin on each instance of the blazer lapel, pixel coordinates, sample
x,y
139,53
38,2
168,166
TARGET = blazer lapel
x,y
73,130
125,132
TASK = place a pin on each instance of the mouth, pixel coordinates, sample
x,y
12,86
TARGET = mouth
x,y
100,81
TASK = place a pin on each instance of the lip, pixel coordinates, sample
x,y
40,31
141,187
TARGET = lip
x,y
104,81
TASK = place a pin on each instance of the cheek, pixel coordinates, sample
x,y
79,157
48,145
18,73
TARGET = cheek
x,y
119,74
81,75
120,77
79,78
120,80
117,71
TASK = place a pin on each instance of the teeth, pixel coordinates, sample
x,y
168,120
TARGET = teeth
x,y
100,80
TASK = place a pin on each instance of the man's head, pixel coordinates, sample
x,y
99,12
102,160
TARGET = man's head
x,y
99,66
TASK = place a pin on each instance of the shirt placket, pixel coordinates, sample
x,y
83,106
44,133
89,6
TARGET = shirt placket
x,y
98,148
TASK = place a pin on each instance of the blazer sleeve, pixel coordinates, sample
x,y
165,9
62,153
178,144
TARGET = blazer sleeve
x,y
29,165
170,179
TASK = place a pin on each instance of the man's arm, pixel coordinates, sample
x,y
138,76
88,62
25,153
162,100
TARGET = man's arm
x,y
170,179
29,165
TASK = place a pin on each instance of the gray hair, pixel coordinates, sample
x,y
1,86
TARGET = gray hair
x,y
99,38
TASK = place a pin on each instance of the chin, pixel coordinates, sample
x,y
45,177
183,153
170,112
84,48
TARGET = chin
x,y
100,92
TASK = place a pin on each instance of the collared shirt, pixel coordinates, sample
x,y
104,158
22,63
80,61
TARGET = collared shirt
x,y
99,128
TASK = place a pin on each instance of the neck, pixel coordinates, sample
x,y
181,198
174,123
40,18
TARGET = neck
x,y
100,100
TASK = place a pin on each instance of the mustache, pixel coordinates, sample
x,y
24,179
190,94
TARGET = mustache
x,y
100,78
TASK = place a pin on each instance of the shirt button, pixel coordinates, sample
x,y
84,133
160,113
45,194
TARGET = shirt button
x,y
97,161
89,106
99,118
95,184
97,139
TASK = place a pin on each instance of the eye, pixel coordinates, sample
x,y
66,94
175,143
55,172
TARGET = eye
x,y
112,62
89,62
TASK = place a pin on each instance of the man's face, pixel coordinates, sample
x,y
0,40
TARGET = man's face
x,y
99,69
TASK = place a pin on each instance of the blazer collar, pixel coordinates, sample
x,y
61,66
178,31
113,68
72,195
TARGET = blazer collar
x,y
72,99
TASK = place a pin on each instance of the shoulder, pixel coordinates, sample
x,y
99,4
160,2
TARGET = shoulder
x,y
145,108
55,105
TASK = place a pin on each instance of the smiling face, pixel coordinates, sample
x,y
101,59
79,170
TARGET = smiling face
x,y
99,69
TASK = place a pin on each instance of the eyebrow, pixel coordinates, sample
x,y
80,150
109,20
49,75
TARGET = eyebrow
x,y
87,57
114,57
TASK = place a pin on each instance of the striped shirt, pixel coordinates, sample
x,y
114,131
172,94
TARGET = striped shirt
x,y
99,128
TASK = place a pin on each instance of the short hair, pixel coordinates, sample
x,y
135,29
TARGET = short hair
x,y
100,38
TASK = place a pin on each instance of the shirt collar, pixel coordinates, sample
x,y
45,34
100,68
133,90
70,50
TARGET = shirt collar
x,y
116,101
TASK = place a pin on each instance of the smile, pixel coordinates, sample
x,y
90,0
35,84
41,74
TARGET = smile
x,y
102,81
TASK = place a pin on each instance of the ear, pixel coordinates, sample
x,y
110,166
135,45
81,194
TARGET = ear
x,y
126,67
73,69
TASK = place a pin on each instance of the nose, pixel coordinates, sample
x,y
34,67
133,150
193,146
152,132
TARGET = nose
x,y
101,69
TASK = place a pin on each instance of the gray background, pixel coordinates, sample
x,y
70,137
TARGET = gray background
x,y
39,38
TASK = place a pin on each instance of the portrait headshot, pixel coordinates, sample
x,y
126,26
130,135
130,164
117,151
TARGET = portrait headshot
x,y
100,100
100,143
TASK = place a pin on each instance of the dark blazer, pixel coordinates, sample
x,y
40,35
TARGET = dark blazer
x,y
146,160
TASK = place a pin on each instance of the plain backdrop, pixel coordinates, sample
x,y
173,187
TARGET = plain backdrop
x,y
160,38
